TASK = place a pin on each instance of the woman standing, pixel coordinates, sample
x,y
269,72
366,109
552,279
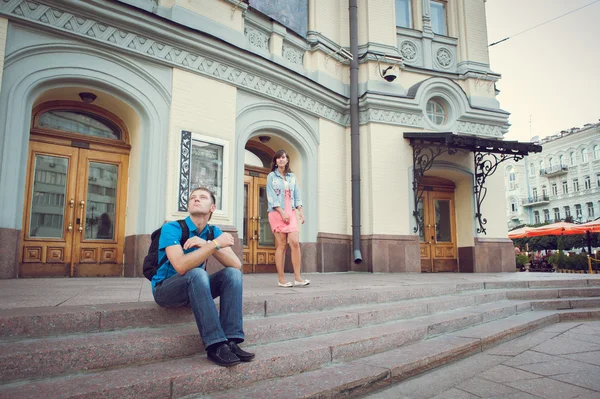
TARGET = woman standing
x,y
283,196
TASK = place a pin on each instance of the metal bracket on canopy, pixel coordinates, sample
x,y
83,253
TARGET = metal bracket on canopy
x,y
423,157
486,164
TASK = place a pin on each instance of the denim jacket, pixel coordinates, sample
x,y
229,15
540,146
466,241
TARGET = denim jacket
x,y
276,190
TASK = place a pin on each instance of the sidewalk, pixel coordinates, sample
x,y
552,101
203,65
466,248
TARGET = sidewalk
x,y
43,292
561,361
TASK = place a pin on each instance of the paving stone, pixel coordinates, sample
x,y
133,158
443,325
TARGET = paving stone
x,y
592,339
518,395
588,328
549,388
587,357
485,388
502,373
562,326
529,357
562,346
455,394
586,377
557,366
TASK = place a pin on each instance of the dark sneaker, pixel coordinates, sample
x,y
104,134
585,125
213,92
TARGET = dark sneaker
x,y
223,356
240,353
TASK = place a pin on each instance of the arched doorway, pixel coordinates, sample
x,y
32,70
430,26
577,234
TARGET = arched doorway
x,y
258,240
437,233
76,192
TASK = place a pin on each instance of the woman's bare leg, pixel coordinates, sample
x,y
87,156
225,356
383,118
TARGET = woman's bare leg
x,y
280,246
295,248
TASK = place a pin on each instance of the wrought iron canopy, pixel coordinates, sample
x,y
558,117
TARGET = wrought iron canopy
x,y
489,153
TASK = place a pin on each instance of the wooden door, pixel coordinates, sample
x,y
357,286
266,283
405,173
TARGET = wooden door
x,y
438,232
258,242
73,224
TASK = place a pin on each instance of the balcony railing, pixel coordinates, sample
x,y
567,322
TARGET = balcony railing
x,y
535,200
554,170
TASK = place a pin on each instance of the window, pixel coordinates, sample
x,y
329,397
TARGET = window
x,y
587,182
513,180
598,179
541,165
513,205
544,191
554,189
575,185
584,155
82,122
565,187
567,211
438,17
556,214
531,169
546,215
578,213
596,152
436,112
590,209
561,160
203,164
403,13
572,159
550,162
536,217
534,193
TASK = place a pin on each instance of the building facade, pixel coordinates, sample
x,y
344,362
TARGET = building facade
x,y
112,110
561,182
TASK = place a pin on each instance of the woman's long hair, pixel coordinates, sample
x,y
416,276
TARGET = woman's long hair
x,y
278,155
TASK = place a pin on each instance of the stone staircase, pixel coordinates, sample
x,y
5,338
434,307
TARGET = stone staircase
x,y
309,344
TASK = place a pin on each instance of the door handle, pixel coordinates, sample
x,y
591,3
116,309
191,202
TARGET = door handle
x,y
71,203
70,227
81,206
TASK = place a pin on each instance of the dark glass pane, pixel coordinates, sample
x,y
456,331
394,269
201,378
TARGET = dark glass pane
x,y
443,221
48,199
265,236
101,201
80,122
245,239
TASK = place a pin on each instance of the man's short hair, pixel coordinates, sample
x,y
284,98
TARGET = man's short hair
x,y
206,189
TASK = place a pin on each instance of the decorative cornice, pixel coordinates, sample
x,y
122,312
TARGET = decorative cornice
x,y
391,117
180,56
293,54
479,129
256,38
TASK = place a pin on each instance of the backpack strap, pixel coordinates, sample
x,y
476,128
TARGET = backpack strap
x,y
211,233
185,234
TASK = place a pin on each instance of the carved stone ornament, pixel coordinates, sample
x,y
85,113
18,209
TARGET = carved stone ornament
x,y
479,129
292,54
256,38
444,57
408,51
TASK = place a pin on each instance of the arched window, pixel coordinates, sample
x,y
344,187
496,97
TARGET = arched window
x,y
561,160
79,121
550,162
572,159
436,111
596,152
584,155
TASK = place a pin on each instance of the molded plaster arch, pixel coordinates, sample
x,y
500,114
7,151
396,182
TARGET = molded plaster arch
x,y
32,70
292,127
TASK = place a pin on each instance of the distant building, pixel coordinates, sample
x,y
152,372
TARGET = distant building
x,y
560,182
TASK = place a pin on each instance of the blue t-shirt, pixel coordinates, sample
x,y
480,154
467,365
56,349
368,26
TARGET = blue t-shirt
x,y
170,234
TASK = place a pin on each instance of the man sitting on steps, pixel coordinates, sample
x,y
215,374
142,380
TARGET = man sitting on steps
x,y
183,281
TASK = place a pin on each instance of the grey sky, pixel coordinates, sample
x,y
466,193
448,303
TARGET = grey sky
x,y
551,72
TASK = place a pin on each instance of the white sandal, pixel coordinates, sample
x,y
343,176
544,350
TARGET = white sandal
x,y
286,285
301,283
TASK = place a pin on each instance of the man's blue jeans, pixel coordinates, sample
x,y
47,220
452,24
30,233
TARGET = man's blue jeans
x,y
197,289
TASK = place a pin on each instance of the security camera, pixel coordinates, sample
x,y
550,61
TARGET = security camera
x,y
387,75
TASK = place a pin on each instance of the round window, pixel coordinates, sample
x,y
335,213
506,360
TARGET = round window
x,y
437,111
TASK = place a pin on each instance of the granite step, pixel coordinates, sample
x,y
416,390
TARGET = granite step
x,y
35,358
196,374
58,321
29,358
357,377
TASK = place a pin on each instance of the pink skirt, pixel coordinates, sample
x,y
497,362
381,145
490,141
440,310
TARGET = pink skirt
x,y
276,221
